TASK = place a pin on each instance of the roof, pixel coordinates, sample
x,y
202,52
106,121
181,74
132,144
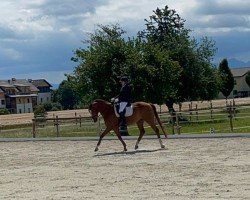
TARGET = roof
x,y
40,83
14,83
22,95
238,72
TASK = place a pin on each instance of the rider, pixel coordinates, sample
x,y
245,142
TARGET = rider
x,y
124,99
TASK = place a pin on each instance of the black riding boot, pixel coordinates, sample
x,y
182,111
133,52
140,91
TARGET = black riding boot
x,y
123,125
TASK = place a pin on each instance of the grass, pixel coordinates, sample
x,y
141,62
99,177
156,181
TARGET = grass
x,y
219,121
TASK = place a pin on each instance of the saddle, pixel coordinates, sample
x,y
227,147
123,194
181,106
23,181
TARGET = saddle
x,y
128,110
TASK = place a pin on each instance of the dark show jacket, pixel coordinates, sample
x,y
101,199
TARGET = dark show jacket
x,y
125,93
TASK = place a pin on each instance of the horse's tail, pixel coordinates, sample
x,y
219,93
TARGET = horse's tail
x,y
158,119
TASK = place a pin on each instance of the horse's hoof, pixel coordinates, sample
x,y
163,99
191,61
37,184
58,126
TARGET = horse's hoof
x,y
125,150
163,146
136,147
96,149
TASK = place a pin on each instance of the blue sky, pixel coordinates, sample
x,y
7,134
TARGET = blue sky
x,y
38,37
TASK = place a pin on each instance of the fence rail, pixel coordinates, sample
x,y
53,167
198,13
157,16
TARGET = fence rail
x,y
223,119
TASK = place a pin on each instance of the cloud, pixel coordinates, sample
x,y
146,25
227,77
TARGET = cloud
x,y
39,36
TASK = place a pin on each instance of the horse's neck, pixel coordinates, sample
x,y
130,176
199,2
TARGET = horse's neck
x,y
105,109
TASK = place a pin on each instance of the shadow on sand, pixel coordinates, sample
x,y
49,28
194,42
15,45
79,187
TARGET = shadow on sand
x,y
128,152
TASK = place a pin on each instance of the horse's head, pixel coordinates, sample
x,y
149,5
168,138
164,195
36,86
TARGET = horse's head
x,y
99,106
93,109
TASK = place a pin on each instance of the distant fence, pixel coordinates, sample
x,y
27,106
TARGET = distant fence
x,y
229,118
231,115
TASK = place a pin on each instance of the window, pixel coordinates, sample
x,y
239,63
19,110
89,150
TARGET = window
x,y
28,100
3,102
235,92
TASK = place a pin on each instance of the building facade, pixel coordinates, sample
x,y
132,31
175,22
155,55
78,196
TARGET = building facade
x,y
241,88
19,95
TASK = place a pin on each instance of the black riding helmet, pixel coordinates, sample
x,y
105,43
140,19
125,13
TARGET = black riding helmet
x,y
124,78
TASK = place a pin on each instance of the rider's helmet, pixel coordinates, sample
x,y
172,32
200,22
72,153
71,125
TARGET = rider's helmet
x,y
124,79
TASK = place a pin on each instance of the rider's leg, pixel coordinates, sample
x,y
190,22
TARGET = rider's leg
x,y
122,119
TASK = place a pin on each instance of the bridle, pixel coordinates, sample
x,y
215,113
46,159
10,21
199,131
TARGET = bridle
x,y
93,116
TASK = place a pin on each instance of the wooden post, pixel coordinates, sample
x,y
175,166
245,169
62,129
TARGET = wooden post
x,y
196,108
34,128
80,120
177,124
231,116
173,122
190,111
57,127
234,108
211,110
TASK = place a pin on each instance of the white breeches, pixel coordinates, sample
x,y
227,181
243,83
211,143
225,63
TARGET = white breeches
x,y
122,106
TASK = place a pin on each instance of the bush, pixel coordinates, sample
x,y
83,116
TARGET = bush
x,y
40,111
52,106
4,111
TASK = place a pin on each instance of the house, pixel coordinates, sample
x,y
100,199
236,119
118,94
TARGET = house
x,y
21,95
44,94
241,88
2,99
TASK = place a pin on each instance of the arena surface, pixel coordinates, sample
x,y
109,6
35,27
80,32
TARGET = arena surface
x,y
201,169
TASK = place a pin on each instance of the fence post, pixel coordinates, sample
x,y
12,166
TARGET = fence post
x,y
231,116
196,108
57,127
211,110
33,128
177,124
190,111
80,120
234,108
76,117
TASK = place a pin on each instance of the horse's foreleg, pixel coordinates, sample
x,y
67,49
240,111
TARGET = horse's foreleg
x,y
142,132
116,130
101,136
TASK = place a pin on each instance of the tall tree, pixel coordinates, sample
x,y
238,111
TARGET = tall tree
x,y
247,79
66,95
198,76
226,78
110,56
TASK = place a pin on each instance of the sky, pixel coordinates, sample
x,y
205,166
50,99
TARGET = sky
x,y
38,37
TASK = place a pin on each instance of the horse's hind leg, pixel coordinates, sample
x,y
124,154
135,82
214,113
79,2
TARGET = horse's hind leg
x,y
154,127
116,130
142,132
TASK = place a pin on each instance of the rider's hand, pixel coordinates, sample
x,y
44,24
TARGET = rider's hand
x,y
113,99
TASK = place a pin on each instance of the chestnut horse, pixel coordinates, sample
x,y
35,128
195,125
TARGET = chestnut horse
x,y
142,112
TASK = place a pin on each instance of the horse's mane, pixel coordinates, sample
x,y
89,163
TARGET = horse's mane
x,y
101,101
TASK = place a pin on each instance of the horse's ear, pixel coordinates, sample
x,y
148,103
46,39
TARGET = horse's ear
x,y
90,107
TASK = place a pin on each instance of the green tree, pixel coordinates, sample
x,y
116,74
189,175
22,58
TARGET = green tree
x,y
66,95
110,56
226,78
198,76
247,79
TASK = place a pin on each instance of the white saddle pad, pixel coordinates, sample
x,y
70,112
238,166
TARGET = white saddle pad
x,y
129,111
